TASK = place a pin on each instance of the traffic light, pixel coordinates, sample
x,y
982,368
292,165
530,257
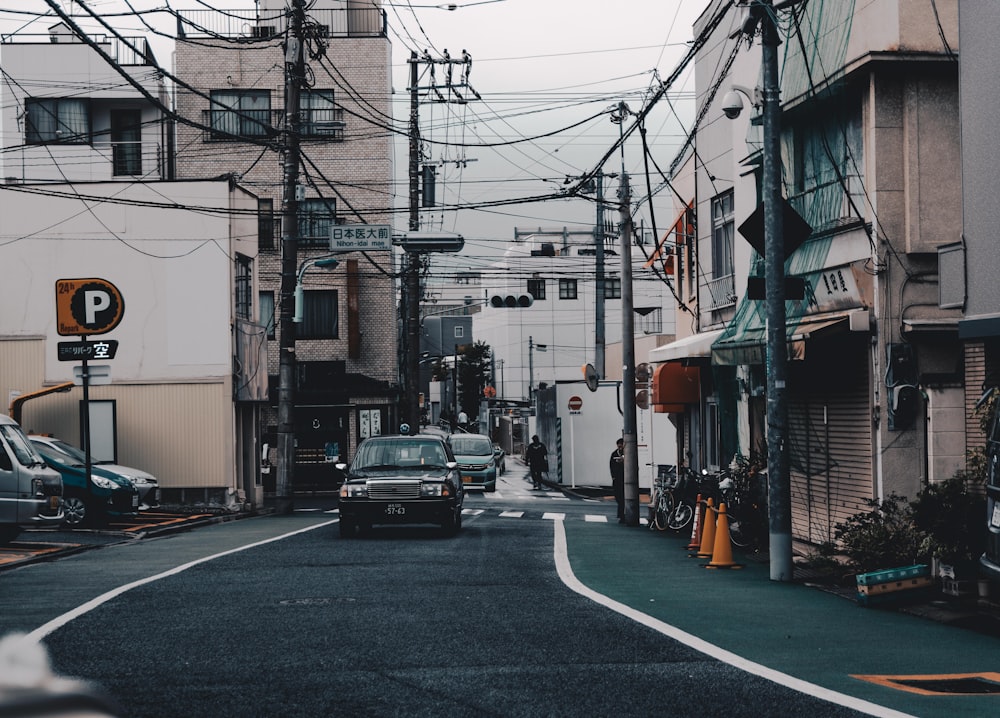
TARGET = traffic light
x,y
511,301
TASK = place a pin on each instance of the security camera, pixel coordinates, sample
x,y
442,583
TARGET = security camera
x,y
732,104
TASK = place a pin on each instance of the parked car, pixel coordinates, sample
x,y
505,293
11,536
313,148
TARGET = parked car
x,y
30,492
401,479
107,495
144,482
476,460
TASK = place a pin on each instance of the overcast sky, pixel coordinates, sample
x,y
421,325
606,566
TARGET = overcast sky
x,y
541,67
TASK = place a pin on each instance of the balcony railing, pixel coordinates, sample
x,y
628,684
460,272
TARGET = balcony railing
x,y
233,125
251,25
124,51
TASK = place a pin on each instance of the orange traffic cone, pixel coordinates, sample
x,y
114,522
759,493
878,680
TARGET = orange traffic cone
x,y
699,513
707,531
722,552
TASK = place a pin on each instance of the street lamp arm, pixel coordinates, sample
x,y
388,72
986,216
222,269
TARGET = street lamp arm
x,y
328,261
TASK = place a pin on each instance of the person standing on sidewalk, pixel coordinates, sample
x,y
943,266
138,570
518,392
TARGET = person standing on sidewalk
x,y
537,457
616,465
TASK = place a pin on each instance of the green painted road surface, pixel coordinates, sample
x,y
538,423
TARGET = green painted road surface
x,y
797,630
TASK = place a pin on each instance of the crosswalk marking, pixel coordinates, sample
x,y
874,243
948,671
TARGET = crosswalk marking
x,y
472,512
511,514
596,519
554,516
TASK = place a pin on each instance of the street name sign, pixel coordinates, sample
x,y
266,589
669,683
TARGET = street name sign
x,y
354,237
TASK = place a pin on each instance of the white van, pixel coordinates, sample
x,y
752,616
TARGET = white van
x,y
30,492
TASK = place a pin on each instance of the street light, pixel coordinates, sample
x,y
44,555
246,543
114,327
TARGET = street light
x,y
326,262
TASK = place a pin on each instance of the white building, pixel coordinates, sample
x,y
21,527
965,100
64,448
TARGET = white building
x,y
188,380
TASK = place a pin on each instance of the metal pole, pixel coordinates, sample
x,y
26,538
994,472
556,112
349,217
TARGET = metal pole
x,y
629,433
294,77
779,489
599,324
412,345
531,370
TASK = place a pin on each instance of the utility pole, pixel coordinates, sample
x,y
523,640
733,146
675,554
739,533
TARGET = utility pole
x,y
531,370
779,488
294,78
411,347
629,431
599,324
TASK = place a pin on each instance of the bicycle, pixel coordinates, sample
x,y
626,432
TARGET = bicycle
x,y
661,502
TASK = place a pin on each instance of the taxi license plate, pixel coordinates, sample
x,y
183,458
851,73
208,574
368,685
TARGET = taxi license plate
x,y
395,510
995,521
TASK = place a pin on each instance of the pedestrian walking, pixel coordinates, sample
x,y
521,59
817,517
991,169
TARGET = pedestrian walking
x,y
616,466
537,457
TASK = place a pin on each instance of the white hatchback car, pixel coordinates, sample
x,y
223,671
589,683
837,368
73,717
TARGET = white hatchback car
x,y
146,484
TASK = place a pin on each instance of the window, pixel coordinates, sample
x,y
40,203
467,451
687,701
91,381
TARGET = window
x,y
244,283
265,223
319,315
57,120
320,116
459,332
612,288
266,301
649,320
536,288
126,142
722,235
567,289
244,113
315,218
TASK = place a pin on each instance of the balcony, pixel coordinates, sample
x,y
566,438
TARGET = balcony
x,y
234,125
250,25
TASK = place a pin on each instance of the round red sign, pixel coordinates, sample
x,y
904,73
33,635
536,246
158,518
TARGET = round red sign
x,y
575,403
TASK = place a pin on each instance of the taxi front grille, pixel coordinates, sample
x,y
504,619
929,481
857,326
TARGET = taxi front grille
x,y
393,490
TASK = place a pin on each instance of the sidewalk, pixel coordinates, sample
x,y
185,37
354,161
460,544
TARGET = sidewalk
x,y
894,657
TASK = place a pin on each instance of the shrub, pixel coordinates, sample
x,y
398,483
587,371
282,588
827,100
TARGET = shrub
x,y
951,518
883,537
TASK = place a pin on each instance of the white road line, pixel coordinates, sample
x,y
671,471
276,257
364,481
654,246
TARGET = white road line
x,y
472,512
511,514
58,622
567,576
596,519
554,516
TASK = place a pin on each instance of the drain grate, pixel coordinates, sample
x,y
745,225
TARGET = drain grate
x,y
964,684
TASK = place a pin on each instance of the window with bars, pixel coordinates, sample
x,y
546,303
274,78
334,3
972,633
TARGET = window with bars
x,y
320,115
567,289
315,218
649,320
62,120
240,113
536,288
319,315
612,288
244,286
265,223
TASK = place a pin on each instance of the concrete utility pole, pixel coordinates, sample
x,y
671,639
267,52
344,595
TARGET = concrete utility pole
x,y
779,488
599,324
411,348
294,79
629,424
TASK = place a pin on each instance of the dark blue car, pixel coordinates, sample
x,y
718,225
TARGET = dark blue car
x,y
108,495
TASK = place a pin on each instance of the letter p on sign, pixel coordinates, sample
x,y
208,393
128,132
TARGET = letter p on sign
x,y
87,306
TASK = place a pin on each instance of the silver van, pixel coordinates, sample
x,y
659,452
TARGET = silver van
x,y
30,492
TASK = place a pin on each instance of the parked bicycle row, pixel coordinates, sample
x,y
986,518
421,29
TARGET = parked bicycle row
x,y
742,487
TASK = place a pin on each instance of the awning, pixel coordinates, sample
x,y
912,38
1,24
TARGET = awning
x,y
696,345
674,386
744,342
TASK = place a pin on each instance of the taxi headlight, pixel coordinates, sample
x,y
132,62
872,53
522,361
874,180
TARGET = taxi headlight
x,y
428,489
352,491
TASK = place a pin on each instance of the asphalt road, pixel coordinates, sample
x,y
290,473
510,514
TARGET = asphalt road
x,y
279,616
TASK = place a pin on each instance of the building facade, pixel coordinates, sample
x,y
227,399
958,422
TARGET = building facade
x,y
233,70
869,150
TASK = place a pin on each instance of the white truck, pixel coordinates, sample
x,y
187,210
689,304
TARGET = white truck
x,y
30,492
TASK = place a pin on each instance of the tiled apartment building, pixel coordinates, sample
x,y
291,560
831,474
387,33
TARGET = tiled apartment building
x,y
232,69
